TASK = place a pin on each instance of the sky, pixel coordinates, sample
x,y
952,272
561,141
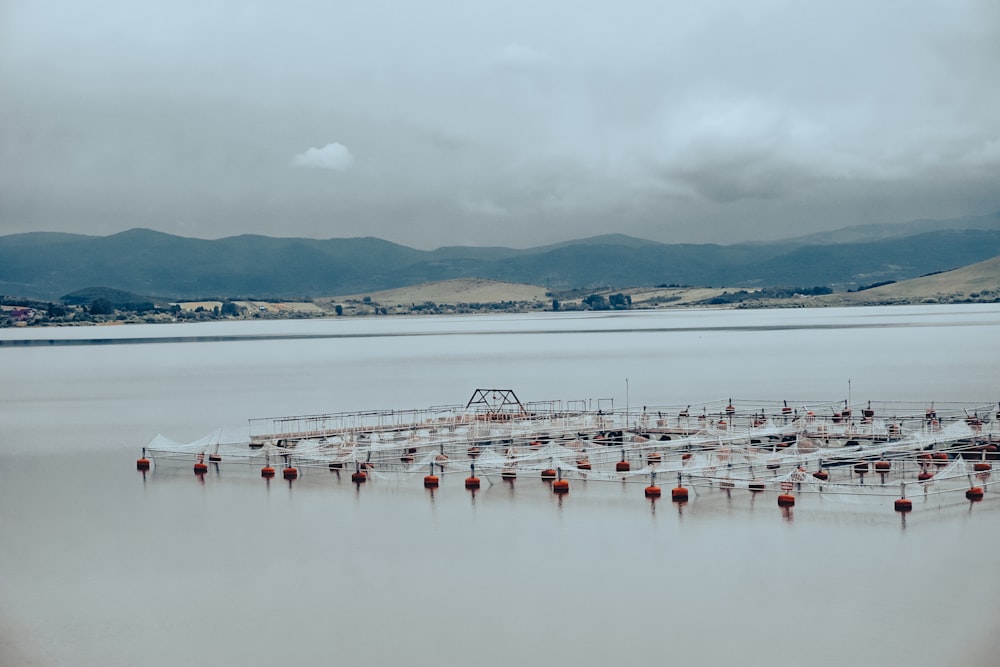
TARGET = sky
x,y
508,123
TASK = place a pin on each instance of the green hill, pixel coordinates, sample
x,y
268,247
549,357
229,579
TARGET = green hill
x,y
167,267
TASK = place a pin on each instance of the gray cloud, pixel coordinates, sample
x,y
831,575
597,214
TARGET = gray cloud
x,y
517,125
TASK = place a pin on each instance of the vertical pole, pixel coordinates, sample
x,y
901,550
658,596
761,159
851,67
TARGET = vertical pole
x,y
626,403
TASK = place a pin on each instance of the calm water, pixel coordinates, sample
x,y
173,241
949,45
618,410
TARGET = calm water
x,y
99,566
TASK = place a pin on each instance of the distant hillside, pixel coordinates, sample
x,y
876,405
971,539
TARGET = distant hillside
x,y
165,267
116,297
878,232
977,282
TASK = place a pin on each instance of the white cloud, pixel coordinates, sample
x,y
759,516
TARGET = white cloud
x,y
332,156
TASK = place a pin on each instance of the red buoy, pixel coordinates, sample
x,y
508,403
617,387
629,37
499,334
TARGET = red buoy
x,y
622,466
289,472
821,475
924,476
431,481
861,468
786,500
883,466
653,491
940,458
560,486
679,494
472,482
981,466
583,464
975,493
267,471
359,476
903,505
200,468
142,464
654,457
548,473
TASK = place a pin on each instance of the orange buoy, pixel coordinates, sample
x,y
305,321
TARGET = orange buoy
x,y
472,482
289,472
940,458
821,475
883,466
267,471
982,466
903,505
924,476
359,476
786,500
560,486
679,494
549,473
200,468
583,464
431,481
622,466
975,493
653,491
142,464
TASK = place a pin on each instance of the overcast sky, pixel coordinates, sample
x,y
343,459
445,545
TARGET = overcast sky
x,y
511,123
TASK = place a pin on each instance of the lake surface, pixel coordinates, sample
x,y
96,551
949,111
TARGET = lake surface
x,y
102,566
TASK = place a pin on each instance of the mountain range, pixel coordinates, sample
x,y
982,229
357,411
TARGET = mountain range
x,y
47,265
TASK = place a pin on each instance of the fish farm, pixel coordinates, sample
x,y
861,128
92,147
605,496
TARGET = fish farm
x,y
875,451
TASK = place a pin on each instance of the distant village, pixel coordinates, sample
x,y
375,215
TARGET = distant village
x,y
25,313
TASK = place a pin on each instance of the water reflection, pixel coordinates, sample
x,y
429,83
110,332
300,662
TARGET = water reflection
x,y
60,472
